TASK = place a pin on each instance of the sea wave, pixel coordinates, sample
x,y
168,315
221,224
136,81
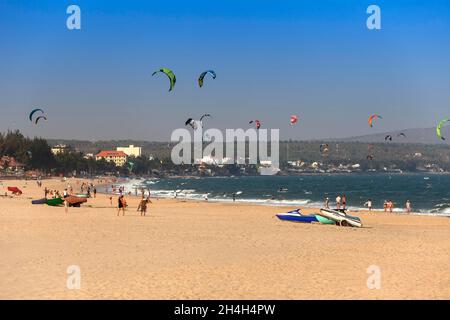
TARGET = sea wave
x,y
131,185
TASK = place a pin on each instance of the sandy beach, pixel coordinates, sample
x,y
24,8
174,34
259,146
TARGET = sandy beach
x,y
200,250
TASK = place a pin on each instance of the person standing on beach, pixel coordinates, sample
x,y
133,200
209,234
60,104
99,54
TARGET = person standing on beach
x,y
95,192
390,206
338,202
121,204
344,201
66,206
327,203
385,205
368,204
408,206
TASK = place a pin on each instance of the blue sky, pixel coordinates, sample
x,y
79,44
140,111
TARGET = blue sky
x,y
313,58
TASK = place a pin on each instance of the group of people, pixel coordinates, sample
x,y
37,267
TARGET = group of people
x,y
388,205
122,202
90,188
341,202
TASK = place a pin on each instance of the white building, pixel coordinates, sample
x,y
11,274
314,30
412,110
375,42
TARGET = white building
x,y
60,148
131,150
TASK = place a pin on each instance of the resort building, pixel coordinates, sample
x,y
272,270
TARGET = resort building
x,y
60,148
131,150
118,157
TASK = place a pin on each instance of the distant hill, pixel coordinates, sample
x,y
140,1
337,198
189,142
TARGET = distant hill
x,y
422,136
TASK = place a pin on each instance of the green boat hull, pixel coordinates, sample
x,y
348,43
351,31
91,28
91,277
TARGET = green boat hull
x,y
55,202
324,220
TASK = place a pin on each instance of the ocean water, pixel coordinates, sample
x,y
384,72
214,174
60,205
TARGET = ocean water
x,y
429,193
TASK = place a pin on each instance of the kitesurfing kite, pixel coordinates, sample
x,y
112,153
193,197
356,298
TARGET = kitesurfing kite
x,y
204,116
439,127
257,123
191,122
169,74
373,117
388,137
401,134
323,148
202,77
39,118
294,120
196,123
33,112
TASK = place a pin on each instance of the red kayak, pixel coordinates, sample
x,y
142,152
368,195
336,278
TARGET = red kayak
x,y
15,190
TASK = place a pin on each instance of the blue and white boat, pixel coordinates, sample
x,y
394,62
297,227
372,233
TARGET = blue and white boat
x,y
296,216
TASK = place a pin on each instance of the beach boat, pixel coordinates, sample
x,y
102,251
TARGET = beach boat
x,y
283,190
296,216
39,201
75,201
324,220
15,190
55,202
82,195
340,217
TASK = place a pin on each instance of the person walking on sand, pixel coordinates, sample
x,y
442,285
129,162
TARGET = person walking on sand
x,y
368,204
408,206
344,202
338,202
95,192
143,206
121,205
385,206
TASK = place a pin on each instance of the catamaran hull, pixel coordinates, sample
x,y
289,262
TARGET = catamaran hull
x,y
341,218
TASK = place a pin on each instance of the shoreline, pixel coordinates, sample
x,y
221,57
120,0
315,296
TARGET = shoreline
x,y
280,203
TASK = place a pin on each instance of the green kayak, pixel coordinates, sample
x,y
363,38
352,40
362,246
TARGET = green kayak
x,y
55,202
324,220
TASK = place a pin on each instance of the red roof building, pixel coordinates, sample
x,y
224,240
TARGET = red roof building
x,y
118,157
